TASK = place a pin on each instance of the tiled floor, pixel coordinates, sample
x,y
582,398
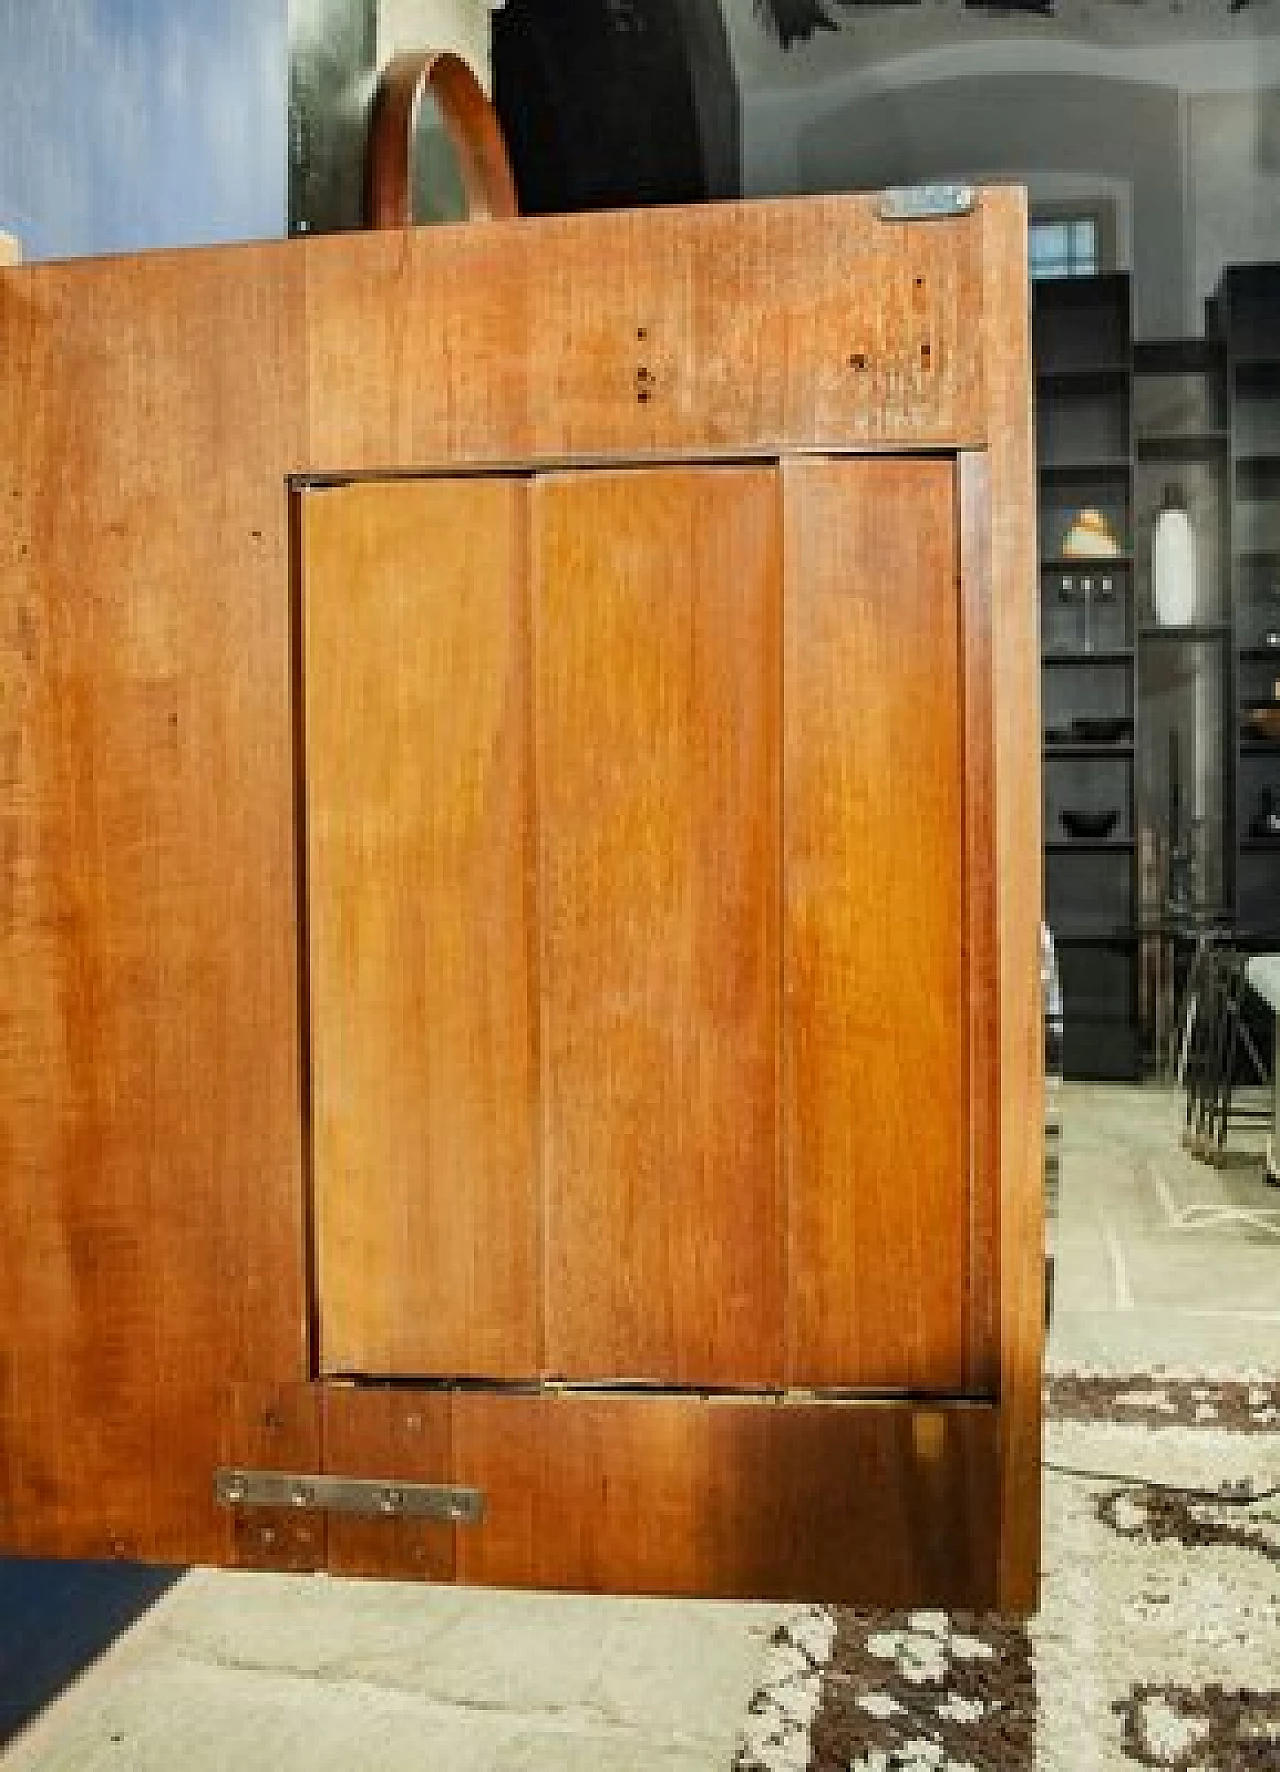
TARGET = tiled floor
x,y
1162,1262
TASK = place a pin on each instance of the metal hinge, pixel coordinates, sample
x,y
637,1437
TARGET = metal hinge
x,y
925,202
381,1498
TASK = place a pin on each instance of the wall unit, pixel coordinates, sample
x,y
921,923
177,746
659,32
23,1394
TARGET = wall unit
x,y
1118,422
1083,354
536,1111
1248,314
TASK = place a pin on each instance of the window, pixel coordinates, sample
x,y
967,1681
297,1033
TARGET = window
x,y
1066,246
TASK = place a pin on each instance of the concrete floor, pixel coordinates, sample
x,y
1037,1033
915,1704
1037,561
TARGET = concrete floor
x,y
1162,1263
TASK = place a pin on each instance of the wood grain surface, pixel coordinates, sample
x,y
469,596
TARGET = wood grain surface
x,y
1006,343
421,927
874,1024
656,642
152,1179
981,928
886,1504
731,326
273,1428
150,1146
379,1433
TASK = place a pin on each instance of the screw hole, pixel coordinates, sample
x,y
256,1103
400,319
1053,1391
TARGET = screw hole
x,y
858,360
926,354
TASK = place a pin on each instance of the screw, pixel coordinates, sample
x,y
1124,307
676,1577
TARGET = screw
x,y
390,1500
301,1495
234,1490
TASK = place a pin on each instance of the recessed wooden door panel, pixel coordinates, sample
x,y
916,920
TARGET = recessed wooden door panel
x,y
874,1035
657,671
420,864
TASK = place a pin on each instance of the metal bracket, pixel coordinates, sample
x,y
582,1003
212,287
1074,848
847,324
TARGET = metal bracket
x,y
926,202
382,1498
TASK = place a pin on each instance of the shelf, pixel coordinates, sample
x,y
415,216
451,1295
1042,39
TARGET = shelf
x,y
1256,654
1260,845
1260,747
1083,375
1258,476
1087,845
1188,446
1201,630
1079,748
1104,655
1122,934
1089,563
1177,356
1107,467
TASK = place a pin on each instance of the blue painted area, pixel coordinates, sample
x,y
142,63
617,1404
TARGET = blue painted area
x,y
55,1618
126,124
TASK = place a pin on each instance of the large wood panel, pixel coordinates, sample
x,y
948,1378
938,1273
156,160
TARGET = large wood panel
x,y
735,327
874,1041
656,642
883,1504
151,1235
420,927
153,1247
1019,1064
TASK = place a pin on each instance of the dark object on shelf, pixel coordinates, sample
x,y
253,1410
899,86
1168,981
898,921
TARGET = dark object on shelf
x,y
1059,735
1264,826
1097,729
1094,826
1264,722
1271,640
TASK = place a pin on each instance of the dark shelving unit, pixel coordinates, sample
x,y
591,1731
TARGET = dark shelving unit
x,y
1083,346
1247,312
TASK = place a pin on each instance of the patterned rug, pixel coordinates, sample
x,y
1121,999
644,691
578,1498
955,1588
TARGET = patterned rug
x,y
1158,1640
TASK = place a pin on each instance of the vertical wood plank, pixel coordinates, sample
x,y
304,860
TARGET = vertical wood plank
x,y
1006,344
981,946
875,1115
420,883
656,642
398,1436
150,1158
273,1428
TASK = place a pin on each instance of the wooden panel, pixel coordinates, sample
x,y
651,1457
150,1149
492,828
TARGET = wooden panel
x,y
150,1153
739,327
981,947
875,1114
420,864
382,1433
273,1428
1016,722
879,1503
656,600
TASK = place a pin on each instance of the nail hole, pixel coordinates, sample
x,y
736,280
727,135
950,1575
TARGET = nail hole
x,y
858,360
925,354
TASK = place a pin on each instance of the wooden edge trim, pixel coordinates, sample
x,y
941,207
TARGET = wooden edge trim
x,y
472,125
980,934
1006,345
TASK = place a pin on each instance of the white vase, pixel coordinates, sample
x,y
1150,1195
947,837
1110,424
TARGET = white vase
x,y
1173,563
